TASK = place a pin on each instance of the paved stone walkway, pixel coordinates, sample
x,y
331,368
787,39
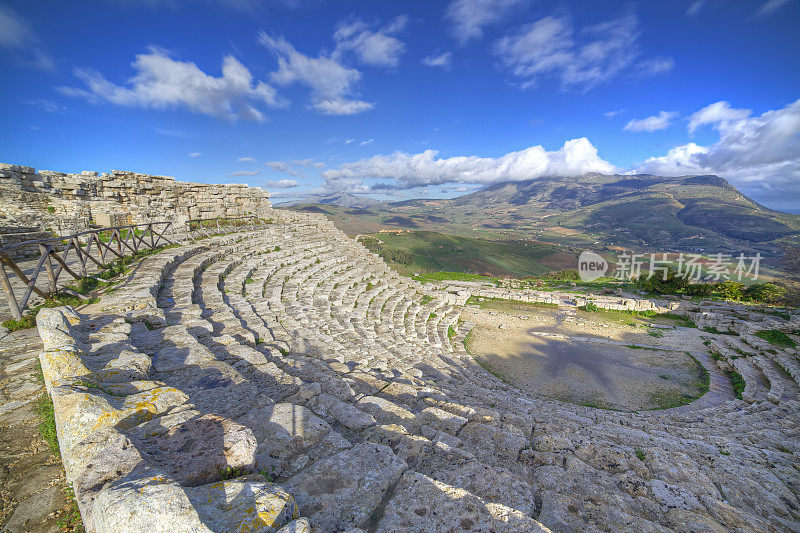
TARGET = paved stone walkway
x,y
32,483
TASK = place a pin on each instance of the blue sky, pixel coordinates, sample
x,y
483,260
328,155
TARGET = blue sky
x,y
405,99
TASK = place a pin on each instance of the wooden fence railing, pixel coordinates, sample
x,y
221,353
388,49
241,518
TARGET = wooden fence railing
x,y
206,227
87,247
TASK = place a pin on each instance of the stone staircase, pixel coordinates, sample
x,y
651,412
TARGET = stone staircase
x,y
248,380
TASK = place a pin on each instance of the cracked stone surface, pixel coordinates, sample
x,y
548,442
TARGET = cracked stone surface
x,y
304,384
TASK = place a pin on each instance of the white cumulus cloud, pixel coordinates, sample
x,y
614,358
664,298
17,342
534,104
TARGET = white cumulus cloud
x,y
331,82
469,17
282,184
652,123
761,155
376,48
165,83
246,159
244,173
195,154
443,60
579,60
716,113
405,171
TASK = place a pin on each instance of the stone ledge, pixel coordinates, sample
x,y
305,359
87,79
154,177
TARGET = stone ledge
x,y
121,487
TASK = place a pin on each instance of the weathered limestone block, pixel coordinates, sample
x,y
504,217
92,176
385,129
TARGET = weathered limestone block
x,y
407,446
492,484
441,419
389,412
421,503
152,503
494,445
345,413
343,490
81,410
103,457
171,356
215,387
285,430
202,449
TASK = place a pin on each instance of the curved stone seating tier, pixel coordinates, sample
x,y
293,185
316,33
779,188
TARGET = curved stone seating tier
x,y
246,380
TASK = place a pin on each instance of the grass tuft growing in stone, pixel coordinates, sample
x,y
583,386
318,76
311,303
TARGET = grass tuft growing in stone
x,y
737,382
776,337
47,422
230,473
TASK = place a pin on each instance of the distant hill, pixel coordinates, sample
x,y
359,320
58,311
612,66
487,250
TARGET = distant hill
x,y
341,199
652,208
641,212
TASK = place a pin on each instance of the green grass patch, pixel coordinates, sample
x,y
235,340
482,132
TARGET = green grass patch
x,y
47,416
737,382
230,472
500,304
70,519
615,316
47,422
28,319
426,277
684,321
714,330
666,399
777,337
596,405
433,252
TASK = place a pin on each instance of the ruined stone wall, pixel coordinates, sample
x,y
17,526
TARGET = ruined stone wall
x,y
57,200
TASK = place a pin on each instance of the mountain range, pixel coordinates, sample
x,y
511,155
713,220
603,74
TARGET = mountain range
x,y
702,213
342,199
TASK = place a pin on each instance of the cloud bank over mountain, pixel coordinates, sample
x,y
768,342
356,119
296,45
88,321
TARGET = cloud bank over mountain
x,y
406,171
760,155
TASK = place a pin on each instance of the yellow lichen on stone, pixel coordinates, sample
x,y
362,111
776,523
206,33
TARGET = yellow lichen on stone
x,y
61,364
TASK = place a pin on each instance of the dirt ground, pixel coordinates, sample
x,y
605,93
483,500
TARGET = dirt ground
x,y
593,359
